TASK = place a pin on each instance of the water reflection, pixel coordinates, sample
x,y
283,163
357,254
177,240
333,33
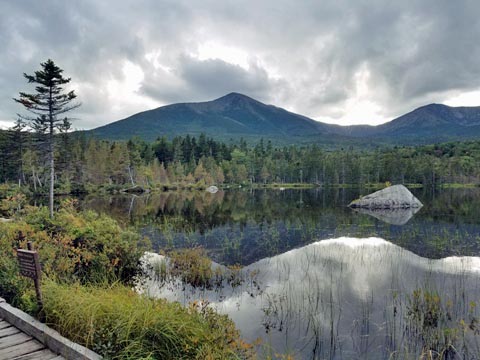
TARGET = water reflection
x,y
398,216
243,226
349,298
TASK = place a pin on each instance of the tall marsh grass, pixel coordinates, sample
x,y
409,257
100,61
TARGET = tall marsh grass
x,y
120,324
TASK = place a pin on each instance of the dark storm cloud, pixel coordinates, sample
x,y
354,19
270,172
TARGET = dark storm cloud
x,y
313,57
208,79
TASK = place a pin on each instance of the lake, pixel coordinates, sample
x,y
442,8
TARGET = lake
x,y
318,280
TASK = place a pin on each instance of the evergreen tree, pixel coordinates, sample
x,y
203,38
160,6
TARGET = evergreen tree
x,y
46,104
17,137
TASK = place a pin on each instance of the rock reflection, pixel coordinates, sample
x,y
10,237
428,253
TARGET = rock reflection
x,y
390,216
350,298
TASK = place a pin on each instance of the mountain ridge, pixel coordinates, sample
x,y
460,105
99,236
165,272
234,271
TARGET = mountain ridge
x,y
235,116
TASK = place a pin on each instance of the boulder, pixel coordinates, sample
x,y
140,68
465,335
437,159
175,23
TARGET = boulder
x,y
212,189
392,197
3,220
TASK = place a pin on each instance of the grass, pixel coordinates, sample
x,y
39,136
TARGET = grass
x,y
192,265
459,186
120,324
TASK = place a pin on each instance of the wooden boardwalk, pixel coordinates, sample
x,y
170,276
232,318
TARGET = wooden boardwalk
x,y
15,344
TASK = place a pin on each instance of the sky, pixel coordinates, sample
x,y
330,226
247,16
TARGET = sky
x,y
336,61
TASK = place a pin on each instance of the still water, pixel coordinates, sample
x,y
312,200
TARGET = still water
x,y
320,281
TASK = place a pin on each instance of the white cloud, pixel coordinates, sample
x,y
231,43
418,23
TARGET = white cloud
x,y
216,51
469,98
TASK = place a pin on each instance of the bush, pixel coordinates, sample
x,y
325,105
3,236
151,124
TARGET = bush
x,y
7,190
74,246
192,266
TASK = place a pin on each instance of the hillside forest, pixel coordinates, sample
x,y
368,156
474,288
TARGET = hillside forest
x,y
85,164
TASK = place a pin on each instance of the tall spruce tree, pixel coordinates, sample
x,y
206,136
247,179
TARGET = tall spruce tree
x,y
49,101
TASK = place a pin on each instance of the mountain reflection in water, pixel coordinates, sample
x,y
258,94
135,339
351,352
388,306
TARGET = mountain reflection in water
x,y
351,298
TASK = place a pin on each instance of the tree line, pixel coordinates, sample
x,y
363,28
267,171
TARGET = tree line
x,y
83,163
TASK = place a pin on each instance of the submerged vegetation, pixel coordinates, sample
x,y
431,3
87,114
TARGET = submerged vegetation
x,y
435,322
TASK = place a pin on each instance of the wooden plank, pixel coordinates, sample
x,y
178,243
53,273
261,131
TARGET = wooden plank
x,y
49,337
8,331
21,349
14,339
4,324
37,355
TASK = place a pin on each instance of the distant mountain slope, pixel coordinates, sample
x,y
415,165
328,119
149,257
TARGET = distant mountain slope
x,y
429,118
231,116
235,115
434,122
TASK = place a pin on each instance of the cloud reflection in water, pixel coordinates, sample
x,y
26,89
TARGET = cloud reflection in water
x,y
343,298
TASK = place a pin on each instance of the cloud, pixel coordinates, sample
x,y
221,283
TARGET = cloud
x,y
340,61
197,80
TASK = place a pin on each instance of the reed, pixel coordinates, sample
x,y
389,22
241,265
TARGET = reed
x,y
120,324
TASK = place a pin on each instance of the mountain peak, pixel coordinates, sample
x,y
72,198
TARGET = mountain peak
x,y
234,97
433,106
231,116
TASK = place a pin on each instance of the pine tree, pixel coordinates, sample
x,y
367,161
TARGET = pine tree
x,y
47,104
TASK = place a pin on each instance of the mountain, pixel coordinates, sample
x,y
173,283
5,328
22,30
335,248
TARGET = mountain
x,y
429,123
236,116
432,118
231,116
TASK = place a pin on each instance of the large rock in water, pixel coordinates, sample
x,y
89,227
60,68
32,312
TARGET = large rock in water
x,y
392,197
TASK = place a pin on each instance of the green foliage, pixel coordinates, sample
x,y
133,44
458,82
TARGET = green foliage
x,y
120,324
192,266
73,246
8,190
190,162
12,204
14,288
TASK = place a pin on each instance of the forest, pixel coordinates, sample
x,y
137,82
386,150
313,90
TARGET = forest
x,y
85,164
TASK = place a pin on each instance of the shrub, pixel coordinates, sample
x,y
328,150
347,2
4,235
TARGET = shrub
x,y
73,246
192,266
